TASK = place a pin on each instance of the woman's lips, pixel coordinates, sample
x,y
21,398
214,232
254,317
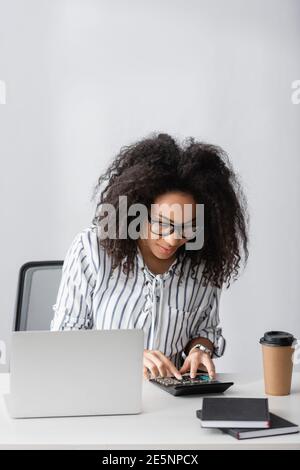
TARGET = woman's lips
x,y
166,250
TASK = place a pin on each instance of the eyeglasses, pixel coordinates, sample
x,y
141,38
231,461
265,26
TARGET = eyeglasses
x,y
165,229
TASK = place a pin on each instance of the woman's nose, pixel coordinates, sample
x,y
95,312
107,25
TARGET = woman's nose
x,y
173,239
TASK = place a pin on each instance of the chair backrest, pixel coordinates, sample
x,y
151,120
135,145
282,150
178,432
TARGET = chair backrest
x,y
37,292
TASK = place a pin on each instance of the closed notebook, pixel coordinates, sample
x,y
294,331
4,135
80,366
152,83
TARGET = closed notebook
x,y
278,427
234,413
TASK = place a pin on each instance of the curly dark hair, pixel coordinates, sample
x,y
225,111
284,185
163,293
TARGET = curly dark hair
x,y
159,164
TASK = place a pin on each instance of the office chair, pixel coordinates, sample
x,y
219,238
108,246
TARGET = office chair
x,y
36,293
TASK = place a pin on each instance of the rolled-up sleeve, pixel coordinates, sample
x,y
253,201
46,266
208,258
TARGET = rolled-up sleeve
x,y
208,324
73,307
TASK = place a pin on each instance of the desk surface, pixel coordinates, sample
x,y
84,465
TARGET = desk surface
x,y
167,422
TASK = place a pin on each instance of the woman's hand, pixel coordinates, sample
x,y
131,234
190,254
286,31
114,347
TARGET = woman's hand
x,y
158,364
193,362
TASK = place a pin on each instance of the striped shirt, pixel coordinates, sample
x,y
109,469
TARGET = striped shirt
x,y
171,308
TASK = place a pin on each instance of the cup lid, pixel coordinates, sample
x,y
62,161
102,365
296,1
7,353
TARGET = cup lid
x,y
277,338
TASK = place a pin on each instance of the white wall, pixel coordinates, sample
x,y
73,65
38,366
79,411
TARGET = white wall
x,y
85,77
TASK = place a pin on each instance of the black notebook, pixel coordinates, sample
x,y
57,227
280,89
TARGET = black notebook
x,y
234,413
278,427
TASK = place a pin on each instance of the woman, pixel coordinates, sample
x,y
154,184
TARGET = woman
x,y
152,281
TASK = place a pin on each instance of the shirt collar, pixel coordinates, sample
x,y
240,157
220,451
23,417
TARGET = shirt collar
x,y
164,275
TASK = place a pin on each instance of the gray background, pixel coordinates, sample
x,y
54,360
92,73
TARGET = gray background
x,y
86,77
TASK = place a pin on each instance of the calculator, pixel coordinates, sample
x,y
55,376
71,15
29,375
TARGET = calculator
x,y
200,385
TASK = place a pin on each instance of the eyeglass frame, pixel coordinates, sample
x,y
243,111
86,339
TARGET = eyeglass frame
x,y
172,228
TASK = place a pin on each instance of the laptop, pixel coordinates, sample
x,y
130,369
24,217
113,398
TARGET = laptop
x,y
76,373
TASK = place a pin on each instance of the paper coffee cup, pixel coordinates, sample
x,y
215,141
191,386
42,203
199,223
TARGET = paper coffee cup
x,y
277,349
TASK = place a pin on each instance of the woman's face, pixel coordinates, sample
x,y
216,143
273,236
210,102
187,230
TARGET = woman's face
x,y
173,207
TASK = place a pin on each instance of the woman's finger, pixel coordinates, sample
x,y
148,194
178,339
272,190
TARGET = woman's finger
x,y
151,367
185,367
195,362
169,364
146,373
208,362
159,364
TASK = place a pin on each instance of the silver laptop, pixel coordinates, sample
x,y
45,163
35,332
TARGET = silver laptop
x,y
76,373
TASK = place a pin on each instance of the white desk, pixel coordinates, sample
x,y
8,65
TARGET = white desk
x,y
167,422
